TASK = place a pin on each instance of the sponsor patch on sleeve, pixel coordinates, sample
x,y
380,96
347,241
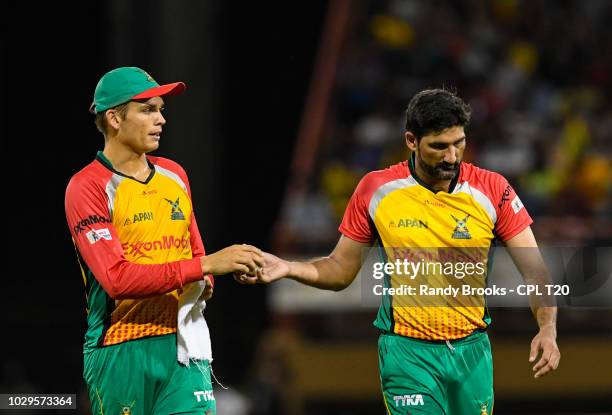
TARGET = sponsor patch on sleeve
x,y
96,234
516,204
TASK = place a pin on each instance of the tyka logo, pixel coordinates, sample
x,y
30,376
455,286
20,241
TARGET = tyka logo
x,y
461,231
409,400
177,213
204,396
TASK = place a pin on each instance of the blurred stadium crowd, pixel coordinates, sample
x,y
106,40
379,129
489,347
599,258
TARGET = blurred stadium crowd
x,y
537,75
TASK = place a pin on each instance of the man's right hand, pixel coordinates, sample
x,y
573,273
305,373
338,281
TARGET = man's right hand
x,y
334,272
236,258
274,269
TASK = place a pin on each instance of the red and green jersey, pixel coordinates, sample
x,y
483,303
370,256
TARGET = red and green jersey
x,y
394,209
137,244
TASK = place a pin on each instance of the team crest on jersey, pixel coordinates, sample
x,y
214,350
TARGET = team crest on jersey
x,y
177,213
461,231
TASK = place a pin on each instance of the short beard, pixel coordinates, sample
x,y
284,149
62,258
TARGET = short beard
x,y
441,171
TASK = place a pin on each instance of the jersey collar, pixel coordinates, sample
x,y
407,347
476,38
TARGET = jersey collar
x,y
106,163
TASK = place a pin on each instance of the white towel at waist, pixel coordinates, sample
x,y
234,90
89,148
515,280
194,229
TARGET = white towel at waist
x,y
193,337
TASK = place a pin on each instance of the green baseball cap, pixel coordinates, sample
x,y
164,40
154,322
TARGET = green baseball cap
x,y
124,84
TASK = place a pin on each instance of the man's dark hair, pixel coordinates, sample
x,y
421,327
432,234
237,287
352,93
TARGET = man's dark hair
x,y
434,110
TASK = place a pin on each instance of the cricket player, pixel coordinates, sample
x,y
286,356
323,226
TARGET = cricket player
x,y
433,359
132,221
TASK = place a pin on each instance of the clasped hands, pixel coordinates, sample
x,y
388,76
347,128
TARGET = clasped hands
x,y
248,264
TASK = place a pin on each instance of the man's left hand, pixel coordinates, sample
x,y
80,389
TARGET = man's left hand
x,y
208,289
545,341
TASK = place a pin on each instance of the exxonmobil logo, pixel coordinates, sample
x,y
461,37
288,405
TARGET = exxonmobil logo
x,y
167,242
88,221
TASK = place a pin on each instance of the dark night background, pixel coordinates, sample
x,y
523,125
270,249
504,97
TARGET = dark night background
x,y
247,71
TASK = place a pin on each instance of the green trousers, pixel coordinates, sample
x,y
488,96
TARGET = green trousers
x,y
143,377
436,378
